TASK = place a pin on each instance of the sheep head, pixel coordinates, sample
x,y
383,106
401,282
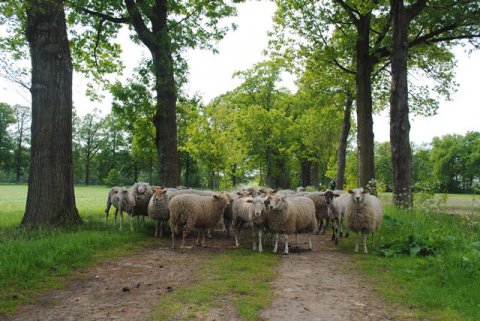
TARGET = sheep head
x,y
159,192
259,205
358,194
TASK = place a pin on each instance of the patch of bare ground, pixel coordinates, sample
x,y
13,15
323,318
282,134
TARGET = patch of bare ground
x,y
322,284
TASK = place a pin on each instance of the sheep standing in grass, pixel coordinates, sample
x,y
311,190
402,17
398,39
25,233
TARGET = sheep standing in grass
x,y
190,211
363,214
142,193
291,215
228,213
250,211
158,209
126,203
112,199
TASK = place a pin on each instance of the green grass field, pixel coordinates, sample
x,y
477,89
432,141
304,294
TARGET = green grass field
x,y
426,261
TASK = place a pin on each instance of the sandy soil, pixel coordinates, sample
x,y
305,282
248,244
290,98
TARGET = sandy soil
x,y
317,285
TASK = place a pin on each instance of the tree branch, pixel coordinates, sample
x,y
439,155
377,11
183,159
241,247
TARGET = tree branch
x,y
101,15
415,9
137,21
339,65
349,10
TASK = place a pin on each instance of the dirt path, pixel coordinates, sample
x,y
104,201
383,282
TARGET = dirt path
x,y
317,285
323,285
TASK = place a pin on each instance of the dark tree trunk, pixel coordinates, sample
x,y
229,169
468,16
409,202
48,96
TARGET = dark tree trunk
x,y
158,42
187,170
342,144
306,169
315,178
269,169
165,117
50,198
234,175
364,68
87,170
399,123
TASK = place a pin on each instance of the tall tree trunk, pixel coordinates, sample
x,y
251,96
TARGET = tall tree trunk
x,y
399,123
363,80
165,117
342,144
306,169
87,170
50,198
234,175
187,170
269,169
315,178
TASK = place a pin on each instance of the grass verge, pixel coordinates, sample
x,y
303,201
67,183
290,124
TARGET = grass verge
x,y
239,277
428,262
34,261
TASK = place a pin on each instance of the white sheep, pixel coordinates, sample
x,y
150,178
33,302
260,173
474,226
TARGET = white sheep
x,y
112,199
190,211
126,203
158,209
249,211
363,214
290,215
142,193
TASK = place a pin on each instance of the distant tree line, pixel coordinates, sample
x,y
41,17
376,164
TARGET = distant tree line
x,y
232,141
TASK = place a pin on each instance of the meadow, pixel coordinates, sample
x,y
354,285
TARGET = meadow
x,y
424,260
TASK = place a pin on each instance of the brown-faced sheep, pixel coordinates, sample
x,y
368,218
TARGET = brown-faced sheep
x,y
190,211
250,211
112,199
290,215
363,214
158,209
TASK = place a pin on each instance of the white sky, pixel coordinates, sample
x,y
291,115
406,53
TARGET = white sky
x,y
211,75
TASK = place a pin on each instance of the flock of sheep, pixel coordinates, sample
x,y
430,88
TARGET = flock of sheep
x,y
282,211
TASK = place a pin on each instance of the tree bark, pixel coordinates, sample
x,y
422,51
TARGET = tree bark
x,y
363,80
342,144
50,198
306,170
399,123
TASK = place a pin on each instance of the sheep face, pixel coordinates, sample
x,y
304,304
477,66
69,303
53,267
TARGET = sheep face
x,y
244,193
159,193
141,188
276,202
358,194
259,205
328,197
223,196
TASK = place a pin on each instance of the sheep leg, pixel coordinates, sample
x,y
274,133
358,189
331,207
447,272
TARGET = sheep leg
x,y
204,244
275,243
310,247
260,246
184,236
131,224
106,214
373,240
364,239
356,242
198,238
296,241
253,239
161,228
121,219
173,238
285,252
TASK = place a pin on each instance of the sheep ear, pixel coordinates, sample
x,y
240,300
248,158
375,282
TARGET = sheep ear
x,y
365,190
350,191
261,190
249,200
336,195
240,193
274,191
266,200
